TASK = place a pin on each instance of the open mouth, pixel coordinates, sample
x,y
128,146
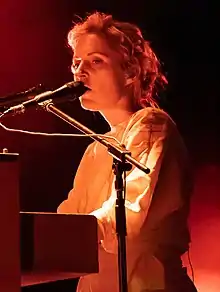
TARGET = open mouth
x,y
84,89
87,87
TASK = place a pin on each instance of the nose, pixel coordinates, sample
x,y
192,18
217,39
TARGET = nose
x,y
80,73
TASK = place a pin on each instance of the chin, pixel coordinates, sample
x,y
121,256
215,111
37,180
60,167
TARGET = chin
x,y
89,104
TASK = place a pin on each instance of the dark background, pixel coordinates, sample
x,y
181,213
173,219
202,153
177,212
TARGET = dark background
x,y
185,36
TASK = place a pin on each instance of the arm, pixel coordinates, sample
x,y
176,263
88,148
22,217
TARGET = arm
x,y
147,140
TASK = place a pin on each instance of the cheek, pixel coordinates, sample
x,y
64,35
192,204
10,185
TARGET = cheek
x,y
110,82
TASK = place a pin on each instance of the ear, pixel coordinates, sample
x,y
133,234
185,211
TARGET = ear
x,y
129,81
129,78
130,74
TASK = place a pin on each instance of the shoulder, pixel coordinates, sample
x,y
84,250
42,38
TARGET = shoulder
x,y
151,118
145,121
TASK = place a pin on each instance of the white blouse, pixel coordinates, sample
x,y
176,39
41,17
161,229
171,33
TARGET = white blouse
x,y
156,203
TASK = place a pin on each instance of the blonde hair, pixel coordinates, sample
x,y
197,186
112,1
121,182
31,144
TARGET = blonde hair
x,y
139,60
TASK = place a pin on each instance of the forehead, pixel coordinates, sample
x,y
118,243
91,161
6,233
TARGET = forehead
x,y
90,43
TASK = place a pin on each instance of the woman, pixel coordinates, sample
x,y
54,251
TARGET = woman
x,y
123,74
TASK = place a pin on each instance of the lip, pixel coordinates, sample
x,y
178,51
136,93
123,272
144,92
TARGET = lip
x,y
87,86
87,91
84,83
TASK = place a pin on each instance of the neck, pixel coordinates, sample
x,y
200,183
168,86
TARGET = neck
x,y
116,116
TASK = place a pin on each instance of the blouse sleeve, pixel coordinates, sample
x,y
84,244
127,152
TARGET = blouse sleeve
x,y
147,139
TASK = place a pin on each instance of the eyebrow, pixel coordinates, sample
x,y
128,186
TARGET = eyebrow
x,y
92,53
100,53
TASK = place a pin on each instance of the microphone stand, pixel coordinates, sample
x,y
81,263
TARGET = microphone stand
x,y
122,162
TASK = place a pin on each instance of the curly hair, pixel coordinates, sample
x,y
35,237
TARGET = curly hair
x,y
138,59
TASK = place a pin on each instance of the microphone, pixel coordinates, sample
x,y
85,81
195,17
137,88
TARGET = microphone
x,y
73,90
15,98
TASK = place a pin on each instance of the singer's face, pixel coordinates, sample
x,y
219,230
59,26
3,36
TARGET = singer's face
x,y
99,67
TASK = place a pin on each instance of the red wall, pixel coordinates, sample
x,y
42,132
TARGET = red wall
x,y
205,229
32,51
